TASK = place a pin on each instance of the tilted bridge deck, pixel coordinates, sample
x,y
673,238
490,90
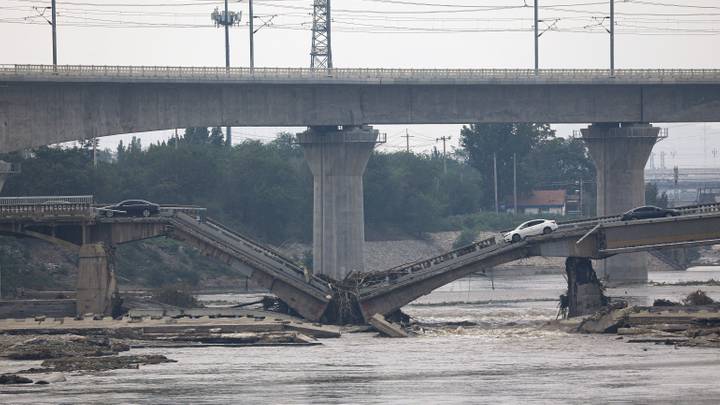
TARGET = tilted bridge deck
x,y
71,221
386,291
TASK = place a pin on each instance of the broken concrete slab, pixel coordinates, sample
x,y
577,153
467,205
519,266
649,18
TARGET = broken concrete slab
x,y
606,322
386,328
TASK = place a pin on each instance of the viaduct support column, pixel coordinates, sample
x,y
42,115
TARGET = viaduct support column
x,y
96,285
620,152
337,160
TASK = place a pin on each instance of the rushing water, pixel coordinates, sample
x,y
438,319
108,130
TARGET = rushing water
x,y
509,358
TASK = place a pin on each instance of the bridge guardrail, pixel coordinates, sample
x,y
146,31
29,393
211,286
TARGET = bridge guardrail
x,y
213,73
279,260
47,206
199,213
687,209
392,274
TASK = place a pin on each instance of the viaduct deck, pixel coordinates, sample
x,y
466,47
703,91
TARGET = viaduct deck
x,y
42,105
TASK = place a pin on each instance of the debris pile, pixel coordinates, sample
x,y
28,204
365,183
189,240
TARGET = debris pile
x,y
694,322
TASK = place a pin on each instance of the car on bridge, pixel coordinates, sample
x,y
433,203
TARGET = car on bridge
x,y
531,228
649,211
131,208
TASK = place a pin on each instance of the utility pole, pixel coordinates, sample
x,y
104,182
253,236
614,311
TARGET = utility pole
x,y
444,139
537,37
497,208
252,34
329,34
54,34
226,19
612,38
407,140
582,210
227,36
94,151
515,183
228,130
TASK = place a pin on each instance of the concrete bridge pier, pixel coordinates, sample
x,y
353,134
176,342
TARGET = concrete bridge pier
x,y
337,158
96,284
585,293
620,152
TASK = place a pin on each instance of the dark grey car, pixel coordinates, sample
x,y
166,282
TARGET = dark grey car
x,y
132,208
649,211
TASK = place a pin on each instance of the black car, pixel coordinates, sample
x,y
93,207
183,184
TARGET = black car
x,y
132,208
649,211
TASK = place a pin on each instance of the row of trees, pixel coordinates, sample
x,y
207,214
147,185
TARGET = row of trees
x,y
266,188
542,160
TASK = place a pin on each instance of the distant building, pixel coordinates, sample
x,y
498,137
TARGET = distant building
x,y
542,202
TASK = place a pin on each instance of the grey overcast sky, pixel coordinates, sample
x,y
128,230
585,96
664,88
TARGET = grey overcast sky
x,y
388,34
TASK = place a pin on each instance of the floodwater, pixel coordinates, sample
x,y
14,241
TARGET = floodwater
x,y
509,358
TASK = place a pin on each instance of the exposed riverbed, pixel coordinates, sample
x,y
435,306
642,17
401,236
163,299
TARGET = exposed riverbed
x,y
509,357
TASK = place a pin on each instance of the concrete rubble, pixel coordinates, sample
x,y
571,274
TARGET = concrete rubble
x,y
96,343
387,328
678,324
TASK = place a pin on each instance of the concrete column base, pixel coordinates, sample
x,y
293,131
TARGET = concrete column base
x,y
337,160
585,293
96,284
620,152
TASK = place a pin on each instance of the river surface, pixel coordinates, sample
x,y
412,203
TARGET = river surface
x,y
511,357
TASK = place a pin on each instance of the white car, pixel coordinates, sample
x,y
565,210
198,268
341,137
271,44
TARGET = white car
x,y
530,228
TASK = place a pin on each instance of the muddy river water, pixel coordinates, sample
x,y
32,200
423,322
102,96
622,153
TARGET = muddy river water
x,y
510,357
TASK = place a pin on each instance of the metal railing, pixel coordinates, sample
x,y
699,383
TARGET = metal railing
x,y
211,73
47,207
39,200
394,274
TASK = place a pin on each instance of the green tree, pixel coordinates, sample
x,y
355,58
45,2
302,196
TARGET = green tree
x,y
559,161
484,142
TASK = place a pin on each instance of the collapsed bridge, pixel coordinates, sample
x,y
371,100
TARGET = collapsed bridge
x,y
74,223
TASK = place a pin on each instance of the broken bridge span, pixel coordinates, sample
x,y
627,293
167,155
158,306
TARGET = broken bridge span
x,y
361,295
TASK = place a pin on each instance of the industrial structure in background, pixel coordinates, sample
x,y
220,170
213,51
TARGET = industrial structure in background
x,y
687,185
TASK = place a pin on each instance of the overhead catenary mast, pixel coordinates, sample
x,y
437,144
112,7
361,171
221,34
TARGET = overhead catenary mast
x,y
321,51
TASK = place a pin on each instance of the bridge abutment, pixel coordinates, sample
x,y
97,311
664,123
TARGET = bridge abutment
x,y
337,160
96,284
620,152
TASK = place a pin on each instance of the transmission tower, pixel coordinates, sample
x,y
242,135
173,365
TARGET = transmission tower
x,y
321,52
